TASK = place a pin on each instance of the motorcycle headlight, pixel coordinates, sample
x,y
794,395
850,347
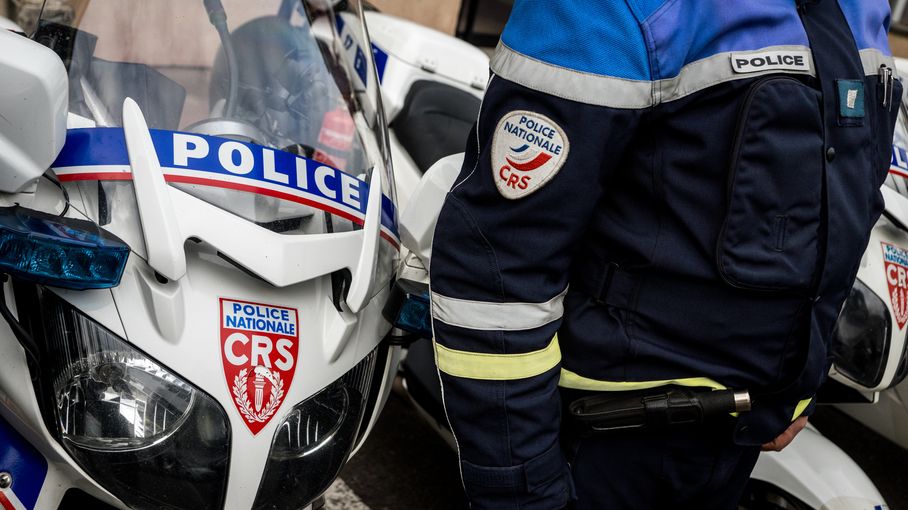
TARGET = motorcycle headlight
x,y
314,441
146,435
860,341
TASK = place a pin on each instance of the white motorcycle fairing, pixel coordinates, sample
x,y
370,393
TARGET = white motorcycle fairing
x,y
818,474
249,309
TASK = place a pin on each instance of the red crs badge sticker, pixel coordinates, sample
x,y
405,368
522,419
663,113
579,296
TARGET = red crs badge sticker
x,y
528,149
259,347
896,261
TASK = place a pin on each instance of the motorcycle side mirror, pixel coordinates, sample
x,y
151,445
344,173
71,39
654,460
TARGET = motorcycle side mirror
x,y
409,307
33,106
409,310
419,216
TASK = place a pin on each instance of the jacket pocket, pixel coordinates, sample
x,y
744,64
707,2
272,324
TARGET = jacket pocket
x,y
770,237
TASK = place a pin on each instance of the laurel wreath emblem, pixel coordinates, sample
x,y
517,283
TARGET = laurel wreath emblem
x,y
240,396
899,306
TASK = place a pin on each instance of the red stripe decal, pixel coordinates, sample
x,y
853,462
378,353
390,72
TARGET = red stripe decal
x,y
184,179
6,503
387,237
899,172
97,176
533,164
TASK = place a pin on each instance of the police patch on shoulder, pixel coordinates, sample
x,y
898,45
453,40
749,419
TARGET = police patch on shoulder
x,y
528,150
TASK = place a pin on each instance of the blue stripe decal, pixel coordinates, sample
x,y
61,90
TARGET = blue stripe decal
x,y
24,463
381,61
93,146
97,147
521,149
899,159
352,46
359,63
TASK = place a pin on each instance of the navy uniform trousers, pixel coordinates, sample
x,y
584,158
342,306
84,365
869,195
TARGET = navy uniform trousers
x,y
687,469
684,468
656,192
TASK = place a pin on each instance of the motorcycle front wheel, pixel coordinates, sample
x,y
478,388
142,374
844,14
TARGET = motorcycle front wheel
x,y
760,495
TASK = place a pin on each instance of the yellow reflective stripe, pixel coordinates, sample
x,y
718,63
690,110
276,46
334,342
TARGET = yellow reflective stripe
x,y
799,409
578,382
497,367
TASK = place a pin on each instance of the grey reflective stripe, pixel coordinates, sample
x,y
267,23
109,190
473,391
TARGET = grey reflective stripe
x,y
872,59
717,69
487,316
614,92
565,83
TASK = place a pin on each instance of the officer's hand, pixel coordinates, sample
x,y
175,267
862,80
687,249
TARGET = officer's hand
x,y
785,438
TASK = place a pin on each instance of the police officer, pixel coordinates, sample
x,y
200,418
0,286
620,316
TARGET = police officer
x,y
658,196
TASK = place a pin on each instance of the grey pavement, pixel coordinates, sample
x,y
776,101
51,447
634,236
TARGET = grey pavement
x,y
404,465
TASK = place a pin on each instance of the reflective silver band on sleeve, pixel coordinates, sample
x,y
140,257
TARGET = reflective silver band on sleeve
x,y
482,315
612,92
568,84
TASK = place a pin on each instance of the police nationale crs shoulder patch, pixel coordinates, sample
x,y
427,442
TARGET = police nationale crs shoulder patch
x,y
528,150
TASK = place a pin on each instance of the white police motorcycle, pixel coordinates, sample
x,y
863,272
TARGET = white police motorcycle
x,y
432,85
197,236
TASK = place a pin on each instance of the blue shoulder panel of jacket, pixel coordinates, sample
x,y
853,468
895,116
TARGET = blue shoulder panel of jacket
x,y
649,40
869,21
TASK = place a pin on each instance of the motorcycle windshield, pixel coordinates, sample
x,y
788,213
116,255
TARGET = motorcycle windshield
x,y
265,108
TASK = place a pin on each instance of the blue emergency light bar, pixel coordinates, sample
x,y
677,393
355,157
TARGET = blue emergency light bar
x,y
59,252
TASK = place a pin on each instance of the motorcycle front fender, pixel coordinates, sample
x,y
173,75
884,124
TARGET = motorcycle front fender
x,y
819,474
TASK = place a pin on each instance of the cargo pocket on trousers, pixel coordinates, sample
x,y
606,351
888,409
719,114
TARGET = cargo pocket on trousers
x,y
770,237
543,482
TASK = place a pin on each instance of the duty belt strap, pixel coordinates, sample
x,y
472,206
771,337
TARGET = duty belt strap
x,y
607,283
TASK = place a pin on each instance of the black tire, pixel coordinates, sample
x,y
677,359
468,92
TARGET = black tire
x,y
759,495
